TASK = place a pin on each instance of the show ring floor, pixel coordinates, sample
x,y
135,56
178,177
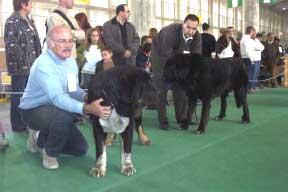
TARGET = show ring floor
x,y
230,157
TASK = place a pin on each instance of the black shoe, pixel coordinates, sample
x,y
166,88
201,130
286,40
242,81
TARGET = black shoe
x,y
164,125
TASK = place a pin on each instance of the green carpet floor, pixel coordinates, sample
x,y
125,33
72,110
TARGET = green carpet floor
x,y
230,157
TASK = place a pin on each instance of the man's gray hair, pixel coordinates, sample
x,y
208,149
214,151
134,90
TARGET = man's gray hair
x,y
53,30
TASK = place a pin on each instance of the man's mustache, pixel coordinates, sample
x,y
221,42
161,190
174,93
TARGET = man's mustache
x,y
67,50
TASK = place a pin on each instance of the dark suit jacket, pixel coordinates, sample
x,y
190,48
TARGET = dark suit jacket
x,y
168,42
113,39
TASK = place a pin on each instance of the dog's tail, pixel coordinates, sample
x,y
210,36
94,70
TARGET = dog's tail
x,y
239,95
241,92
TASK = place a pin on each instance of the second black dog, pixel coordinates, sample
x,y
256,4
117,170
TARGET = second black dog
x,y
205,79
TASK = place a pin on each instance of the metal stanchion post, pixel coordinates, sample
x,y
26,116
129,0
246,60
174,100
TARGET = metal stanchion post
x,y
286,71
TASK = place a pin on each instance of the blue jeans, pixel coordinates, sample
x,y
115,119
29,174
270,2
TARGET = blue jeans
x,y
18,84
251,70
58,134
258,66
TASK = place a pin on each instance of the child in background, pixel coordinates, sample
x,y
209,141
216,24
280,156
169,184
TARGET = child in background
x,y
106,62
143,57
92,55
3,140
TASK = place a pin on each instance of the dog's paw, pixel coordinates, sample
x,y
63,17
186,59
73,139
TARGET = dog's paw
x,y
144,140
219,118
98,171
245,120
199,131
128,169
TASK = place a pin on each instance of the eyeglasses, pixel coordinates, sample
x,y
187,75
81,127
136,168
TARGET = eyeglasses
x,y
64,41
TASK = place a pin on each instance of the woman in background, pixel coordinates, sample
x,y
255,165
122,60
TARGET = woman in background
x,y
92,55
22,47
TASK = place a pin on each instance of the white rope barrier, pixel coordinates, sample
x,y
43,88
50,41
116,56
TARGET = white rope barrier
x,y
21,93
268,78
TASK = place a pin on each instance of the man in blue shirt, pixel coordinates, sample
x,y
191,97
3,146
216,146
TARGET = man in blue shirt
x,y
51,97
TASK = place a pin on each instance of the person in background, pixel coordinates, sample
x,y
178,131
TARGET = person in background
x,y
152,32
52,97
259,68
82,21
259,36
3,140
208,41
22,47
271,55
121,37
92,55
145,39
250,50
231,34
143,57
106,62
56,18
258,48
221,32
226,47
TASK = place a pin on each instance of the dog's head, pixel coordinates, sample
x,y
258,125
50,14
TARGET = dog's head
x,y
127,88
182,68
136,91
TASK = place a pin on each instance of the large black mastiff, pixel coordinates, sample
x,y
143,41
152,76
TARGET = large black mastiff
x,y
127,90
204,78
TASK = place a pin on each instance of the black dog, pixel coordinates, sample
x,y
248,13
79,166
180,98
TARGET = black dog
x,y
205,79
126,89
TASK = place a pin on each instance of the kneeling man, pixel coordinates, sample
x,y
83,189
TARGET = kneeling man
x,y
52,96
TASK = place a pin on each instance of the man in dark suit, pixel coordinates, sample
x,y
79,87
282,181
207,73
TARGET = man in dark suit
x,y
175,38
270,56
121,37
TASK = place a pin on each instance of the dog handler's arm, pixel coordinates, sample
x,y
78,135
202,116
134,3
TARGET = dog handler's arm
x,y
95,108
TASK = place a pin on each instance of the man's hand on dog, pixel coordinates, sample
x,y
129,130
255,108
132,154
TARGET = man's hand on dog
x,y
95,108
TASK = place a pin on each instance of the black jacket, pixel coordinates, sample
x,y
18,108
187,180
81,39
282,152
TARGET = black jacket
x,y
208,44
168,42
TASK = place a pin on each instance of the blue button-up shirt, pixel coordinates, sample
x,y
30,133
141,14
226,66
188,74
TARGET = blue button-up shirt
x,y
48,84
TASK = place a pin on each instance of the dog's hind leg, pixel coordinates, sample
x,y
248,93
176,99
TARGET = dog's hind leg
x,y
191,109
127,167
246,116
143,138
204,116
100,169
222,113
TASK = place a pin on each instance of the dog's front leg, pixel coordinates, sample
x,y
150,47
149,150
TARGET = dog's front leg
x,y
100,169
127,167
204,116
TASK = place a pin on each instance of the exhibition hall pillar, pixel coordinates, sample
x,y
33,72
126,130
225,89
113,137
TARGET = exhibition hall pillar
x,y
250,14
